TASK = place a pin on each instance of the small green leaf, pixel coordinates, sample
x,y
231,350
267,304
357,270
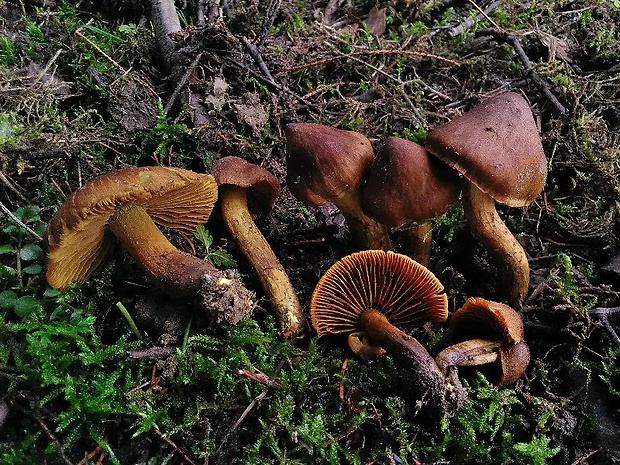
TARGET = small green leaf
x,y
30,252
7,299
26,305
33,269
6,248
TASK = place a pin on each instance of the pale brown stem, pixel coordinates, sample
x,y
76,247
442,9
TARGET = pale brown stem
x,y
419,239
429,379
271,273
365,231
468,353
178,272
505,250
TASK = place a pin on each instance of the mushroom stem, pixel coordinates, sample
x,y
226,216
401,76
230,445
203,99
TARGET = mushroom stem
x,y
429,377
177,271
504,249
271,273
365,231
468,353
419,238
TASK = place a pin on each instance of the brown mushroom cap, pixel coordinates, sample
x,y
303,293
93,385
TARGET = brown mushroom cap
x,y
403,290
484,319
323,163
77,239
497,147
262,187
405,185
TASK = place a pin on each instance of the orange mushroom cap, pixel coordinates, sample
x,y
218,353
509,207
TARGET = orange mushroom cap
x,y
497,147
77,239
405,185
262,187
403,290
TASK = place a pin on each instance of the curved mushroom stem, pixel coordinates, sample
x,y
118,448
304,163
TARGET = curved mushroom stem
x,y
365,231
468,353
177,271
419,238
429,377
506,252
272,275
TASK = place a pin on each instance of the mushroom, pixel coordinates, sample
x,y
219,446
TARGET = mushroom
x,y
497,148
125,205
376,292
328,164
486,332
247,190
406,186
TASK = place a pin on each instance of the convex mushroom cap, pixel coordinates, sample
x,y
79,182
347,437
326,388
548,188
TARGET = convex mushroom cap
x,y
406,185
247,190
328,164
497,149
496,146
487,332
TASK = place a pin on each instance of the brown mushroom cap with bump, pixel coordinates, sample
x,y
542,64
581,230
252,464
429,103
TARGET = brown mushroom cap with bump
x,y
403,290
405,185
323,163
262,187
77,239
497,147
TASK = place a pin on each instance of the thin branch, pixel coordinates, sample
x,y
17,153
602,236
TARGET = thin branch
x,y
18,221
258,59
515,43
369,53
181,83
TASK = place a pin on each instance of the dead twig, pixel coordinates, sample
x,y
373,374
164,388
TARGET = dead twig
x,y
603,313
471,21
182,82
175,447
10,185
515,43
18,221
369,53
47,431
258,59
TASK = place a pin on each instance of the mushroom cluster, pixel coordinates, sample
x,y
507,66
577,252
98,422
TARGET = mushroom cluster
x,y
492,153
495,148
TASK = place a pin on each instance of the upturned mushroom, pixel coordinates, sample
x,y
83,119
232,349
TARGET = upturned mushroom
x,y
407,187
328,164
489,333
247,190
497,149
123,206
376,292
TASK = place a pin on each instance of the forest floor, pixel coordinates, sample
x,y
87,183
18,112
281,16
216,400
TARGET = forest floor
x,y
85,90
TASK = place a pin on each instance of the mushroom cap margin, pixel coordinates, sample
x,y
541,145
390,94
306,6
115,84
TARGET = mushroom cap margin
x,y
77,240
405,291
